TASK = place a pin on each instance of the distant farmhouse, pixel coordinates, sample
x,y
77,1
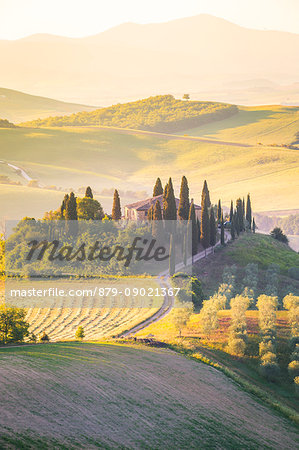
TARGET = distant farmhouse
x,y
139,210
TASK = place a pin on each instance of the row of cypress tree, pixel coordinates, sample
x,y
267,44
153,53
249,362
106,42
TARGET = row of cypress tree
x,y
204,231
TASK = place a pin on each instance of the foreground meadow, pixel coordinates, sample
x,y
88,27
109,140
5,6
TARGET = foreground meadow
x,y
112,396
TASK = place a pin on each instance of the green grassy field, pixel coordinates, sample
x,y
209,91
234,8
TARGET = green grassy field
x,y
250,248
110,396
18,107
109,158
264,124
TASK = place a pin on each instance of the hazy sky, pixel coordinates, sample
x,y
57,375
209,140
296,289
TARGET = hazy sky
x,y
77,18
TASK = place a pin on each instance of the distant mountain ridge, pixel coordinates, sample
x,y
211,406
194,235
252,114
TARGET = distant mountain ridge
x,y
198,54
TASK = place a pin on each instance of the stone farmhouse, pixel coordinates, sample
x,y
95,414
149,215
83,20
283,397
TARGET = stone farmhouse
x,y
139,210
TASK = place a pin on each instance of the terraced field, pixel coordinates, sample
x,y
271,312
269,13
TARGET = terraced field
x,y
101,317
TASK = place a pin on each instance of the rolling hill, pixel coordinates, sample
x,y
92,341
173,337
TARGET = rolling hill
x,y
248,152
111,396
200,55
19,107
161,113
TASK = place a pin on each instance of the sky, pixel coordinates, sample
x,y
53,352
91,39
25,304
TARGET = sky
x,y
77,18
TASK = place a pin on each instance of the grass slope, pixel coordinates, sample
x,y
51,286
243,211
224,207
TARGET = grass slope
x,y
17,106
99,395
250,248
255,124
108,158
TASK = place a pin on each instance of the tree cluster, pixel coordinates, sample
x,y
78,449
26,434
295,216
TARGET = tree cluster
x,y
160,113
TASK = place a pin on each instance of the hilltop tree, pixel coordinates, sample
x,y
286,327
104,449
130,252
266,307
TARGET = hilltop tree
x,y
253,226
80,333
192,226
219,211
63,206
116,209
231,213
213,230
186,96
248,212
88,192
205,195
205,225
184,205
89,209
71,208
158,188
169,206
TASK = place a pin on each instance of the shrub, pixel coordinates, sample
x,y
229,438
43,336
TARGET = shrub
x,y
266,347
293,272
295,354
294,342
270,371
236,346
44,337
296,381
268,358
278,234
293,369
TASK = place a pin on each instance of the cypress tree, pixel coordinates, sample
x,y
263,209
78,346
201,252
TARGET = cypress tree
x,y
169,204
205,225
88,192
248,211
213,230
205,195
232,229
116,209
231,213
240,216
185,249
222,231
158,189
157,213
184,205
71,208
192,227
157,220
150,213
165,191
198,229
219,211
63,206
253,226
236,223
171,256
243,209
